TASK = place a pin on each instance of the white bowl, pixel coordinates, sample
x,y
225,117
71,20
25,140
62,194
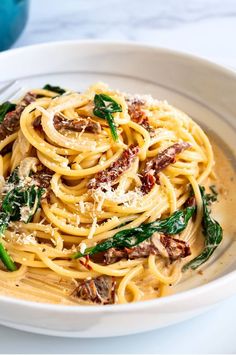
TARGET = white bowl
x,y
204,90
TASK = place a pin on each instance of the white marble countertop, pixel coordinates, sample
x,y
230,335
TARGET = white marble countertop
x,y
203,27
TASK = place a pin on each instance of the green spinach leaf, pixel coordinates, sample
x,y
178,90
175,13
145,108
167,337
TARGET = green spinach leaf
x,y
104,107
212,232
20,203
56,89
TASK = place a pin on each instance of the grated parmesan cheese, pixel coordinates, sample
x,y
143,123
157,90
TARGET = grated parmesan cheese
x,y
82,247
100,204
93,228
82,206
24,213
64,164
25,239
128,199
147,99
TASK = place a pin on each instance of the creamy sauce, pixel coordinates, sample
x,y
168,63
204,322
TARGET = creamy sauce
x,y
223,259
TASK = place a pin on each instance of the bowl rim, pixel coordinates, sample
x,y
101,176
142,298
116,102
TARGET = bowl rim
x,y
167,300
141,45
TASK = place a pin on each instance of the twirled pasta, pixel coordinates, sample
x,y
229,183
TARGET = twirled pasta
x,y
73,217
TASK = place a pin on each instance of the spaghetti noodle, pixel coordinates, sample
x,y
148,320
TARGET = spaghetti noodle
x,y
99,164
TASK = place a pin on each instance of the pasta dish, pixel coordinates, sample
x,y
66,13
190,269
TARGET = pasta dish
x,y
105,196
